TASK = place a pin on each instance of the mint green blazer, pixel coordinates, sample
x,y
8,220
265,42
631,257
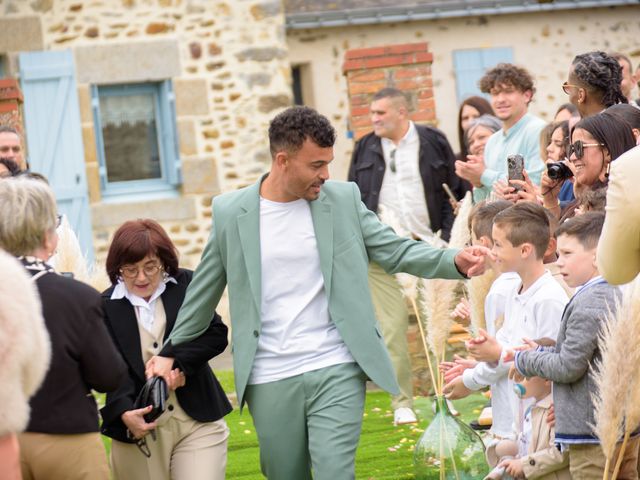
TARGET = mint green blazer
x,y
348,235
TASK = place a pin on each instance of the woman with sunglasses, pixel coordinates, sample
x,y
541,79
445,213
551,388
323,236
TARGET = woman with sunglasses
x,y
189,440
596,141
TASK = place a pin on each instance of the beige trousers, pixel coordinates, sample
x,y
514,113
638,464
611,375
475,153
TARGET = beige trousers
x,y
63,457
587,462
393,317
184,449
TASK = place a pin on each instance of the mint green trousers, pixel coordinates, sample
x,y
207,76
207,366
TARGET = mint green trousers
x,y
309,422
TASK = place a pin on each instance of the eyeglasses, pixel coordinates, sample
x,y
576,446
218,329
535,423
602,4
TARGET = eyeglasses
x,y
567,86
577,148
149,270
392,163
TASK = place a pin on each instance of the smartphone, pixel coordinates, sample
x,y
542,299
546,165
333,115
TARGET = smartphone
x,y
450,194
515,167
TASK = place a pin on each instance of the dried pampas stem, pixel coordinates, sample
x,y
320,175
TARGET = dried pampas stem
x,y
424,344
460,234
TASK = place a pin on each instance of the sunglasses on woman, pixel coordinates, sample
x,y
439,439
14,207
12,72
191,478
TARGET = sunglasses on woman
x,y
577,148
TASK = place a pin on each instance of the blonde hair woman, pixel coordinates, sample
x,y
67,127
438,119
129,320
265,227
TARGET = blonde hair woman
x,y
61,440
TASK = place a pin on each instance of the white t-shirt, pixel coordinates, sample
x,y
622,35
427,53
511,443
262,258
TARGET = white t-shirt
x,y
496,376
533,314
402,191
297,334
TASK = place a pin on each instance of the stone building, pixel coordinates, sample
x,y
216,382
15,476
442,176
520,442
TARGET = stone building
x,y
155,106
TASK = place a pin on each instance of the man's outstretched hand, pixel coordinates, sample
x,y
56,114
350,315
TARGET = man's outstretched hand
x,y
471,260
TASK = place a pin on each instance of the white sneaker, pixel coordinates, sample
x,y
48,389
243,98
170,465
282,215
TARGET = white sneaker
x,y
404,416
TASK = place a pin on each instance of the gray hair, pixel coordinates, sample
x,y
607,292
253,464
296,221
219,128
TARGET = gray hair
x,y
487,121
28,212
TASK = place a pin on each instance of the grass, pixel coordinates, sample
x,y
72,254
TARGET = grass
x,y
385,452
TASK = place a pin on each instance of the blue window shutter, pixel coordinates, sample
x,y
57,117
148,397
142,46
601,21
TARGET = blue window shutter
x,y
169,133
471,64
54,135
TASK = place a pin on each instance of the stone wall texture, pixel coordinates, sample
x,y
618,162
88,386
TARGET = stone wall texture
x,y
230,74
543,42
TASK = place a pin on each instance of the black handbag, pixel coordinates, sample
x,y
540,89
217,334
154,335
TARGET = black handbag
x,y
153,393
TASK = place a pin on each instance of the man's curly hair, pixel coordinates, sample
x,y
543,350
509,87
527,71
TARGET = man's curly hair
x,y
507,74
601,74
289,129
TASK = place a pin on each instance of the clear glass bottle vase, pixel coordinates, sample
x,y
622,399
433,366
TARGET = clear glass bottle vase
x,y
449,449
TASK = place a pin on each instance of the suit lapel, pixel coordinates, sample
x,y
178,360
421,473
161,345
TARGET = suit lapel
x,y
323,226
123,321
249,230
171,298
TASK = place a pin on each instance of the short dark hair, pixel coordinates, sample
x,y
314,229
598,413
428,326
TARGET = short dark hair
x,y
393,93
9,129
586,228
611,130
601,74
621,56
12,166
507,74
570,107
526,222
136,239
628,113
482,215
593,200
289,129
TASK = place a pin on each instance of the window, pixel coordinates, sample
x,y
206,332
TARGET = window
x,y
301,85
470,65
136,138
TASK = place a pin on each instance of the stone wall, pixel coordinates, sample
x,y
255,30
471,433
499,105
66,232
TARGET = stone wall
x,y
544,42
229,64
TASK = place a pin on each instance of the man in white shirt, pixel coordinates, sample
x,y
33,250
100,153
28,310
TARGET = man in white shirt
x,y
293,249
396,166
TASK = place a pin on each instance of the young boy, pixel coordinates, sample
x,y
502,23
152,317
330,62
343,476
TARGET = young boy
x,y
534,453
534,304
463,382
576,354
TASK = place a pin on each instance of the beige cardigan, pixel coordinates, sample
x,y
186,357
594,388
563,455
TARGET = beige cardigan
x,y
619,247
544,461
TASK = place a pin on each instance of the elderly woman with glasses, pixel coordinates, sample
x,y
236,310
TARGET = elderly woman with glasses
x,y
61,441
189,440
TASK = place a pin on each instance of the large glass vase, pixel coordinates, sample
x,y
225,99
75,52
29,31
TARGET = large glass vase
x,y
449,449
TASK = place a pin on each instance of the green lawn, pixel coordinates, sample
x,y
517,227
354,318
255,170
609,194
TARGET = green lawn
x,y
385,451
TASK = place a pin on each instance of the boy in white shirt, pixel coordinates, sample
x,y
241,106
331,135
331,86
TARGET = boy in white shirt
x,y
533,308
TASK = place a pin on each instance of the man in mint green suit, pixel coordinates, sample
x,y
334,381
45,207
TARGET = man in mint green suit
x,y
294,253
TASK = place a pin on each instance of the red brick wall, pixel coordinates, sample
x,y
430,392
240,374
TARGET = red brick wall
x,y
406,67
11,103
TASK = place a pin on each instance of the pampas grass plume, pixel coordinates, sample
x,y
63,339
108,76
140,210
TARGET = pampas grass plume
x,y
627,316
460,234
437,299
613,376
478,288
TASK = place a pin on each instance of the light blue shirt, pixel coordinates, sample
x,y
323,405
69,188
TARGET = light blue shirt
x,y
522,138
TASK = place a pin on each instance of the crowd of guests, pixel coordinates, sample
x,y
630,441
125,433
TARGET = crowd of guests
x,y
544,235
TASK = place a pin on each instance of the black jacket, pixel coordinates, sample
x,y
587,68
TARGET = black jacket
x,y
202,397
436,163
83,358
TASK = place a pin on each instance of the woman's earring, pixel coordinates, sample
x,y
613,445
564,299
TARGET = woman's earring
x,y
606,174
165,276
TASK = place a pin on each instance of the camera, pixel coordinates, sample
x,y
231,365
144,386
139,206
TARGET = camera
x,y
558,171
